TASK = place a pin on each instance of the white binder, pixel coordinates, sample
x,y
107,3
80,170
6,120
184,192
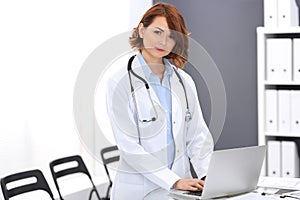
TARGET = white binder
x,y
289,159
295,111
279,59
296,58
288,14
284,111
271,110
270,13
274,158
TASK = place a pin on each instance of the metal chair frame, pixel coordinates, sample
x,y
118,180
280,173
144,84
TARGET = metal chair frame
x,y
106,161
40,184
80,168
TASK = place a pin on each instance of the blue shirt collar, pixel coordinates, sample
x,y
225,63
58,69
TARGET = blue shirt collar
x,y
147,71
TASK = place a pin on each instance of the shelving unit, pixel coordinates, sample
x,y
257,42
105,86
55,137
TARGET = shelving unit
x,y
263,84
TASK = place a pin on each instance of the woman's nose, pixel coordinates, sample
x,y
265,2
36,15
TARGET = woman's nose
x,y
163,40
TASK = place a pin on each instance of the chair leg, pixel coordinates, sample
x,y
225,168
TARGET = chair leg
x,y
108,190
97,194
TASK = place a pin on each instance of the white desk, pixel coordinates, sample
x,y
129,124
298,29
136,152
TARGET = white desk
x,y
164,195
275,183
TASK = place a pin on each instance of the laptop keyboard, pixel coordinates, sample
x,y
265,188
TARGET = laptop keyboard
x,y
197,193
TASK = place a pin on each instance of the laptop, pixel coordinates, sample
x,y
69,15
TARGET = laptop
x,y
230,172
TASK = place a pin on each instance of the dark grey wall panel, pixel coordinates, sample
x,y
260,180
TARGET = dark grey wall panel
x,y
227,30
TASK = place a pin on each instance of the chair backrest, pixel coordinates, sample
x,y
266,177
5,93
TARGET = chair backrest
x,y
108,156
79,168
40,183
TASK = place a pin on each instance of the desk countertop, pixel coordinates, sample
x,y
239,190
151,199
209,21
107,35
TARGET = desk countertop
x,y
164,195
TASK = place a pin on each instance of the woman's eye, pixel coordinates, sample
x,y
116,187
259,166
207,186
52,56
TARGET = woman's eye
x,y
171,36
157,32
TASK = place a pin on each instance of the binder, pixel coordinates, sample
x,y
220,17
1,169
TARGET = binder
x,y
289,159
270,13
295,111
296,59
274,158
288,14
279,59
284,111
271,110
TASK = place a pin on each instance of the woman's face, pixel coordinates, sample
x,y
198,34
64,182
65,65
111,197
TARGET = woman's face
x,y
157,38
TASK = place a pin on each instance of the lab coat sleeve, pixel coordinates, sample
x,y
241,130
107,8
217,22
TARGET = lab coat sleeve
x,y
131,151
199,140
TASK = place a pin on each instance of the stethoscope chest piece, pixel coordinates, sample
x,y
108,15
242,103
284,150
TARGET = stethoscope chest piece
x,y
188,116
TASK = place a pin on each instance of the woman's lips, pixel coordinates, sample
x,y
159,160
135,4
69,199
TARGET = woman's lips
x,y
159,49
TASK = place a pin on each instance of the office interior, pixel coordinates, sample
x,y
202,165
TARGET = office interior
x,y
45,43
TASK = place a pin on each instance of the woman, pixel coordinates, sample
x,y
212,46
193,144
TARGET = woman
x,y
155,112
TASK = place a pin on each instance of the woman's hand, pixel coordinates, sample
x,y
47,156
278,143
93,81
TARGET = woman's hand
x,y
191,184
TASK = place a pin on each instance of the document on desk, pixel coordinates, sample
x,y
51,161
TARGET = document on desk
x,y
280,183
253,196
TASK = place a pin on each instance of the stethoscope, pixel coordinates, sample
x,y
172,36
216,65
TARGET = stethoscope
x,y
188,115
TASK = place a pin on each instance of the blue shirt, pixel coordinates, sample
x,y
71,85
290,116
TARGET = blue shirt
x,y
163,92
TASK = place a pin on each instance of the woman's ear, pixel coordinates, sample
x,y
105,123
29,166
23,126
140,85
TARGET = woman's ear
x,y
141,30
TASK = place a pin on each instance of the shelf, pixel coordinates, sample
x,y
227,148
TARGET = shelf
x,y
279,30
264,84
283,83
281,134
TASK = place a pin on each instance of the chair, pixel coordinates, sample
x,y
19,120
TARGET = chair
x,y
39,184
107,160
80,168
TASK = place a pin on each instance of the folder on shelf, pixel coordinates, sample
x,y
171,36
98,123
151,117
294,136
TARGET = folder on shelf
x,y
271,110
270,13
289,159
295,111
284,111
279,59
296,59
288,14
274,158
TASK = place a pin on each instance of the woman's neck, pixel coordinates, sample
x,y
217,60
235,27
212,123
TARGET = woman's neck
x,y
156,64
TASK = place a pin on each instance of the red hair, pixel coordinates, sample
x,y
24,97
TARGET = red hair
x,y
179,54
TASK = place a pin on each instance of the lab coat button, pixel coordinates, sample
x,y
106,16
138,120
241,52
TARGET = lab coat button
x,y
174,122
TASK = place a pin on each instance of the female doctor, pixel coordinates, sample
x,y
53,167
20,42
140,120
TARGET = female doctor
x,y
155,113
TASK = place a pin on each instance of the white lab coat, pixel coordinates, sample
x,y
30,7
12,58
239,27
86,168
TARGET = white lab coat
x,y
143,168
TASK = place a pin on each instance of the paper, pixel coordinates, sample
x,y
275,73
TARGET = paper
x,y
280,183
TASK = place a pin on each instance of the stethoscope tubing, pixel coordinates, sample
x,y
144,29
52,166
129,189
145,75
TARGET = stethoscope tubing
x,y
188,116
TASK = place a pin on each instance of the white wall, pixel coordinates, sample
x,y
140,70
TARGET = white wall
x,y
42,47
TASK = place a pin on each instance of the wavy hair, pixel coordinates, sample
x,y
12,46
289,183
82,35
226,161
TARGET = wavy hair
x,y
179,54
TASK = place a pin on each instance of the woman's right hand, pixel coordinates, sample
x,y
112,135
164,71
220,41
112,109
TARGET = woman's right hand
x,y
191,184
